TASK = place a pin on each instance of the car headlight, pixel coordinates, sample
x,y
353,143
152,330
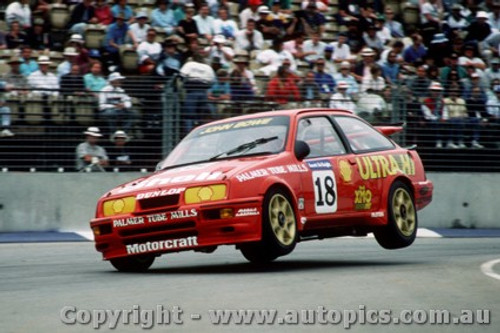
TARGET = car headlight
x,y
119,206
205,193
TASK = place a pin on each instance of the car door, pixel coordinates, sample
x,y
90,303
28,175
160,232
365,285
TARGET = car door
x,y
323,197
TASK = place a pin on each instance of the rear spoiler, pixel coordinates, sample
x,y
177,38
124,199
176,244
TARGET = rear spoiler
x,y
390,129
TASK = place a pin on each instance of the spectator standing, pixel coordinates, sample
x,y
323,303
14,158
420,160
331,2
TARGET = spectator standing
x,y
282,89
205,22
457,113
140,28
341,99
219,92
82,14
435,113
149,52
19,11
477,116
198,77
89,154
5,112
119,154
249,39
163,17
115,105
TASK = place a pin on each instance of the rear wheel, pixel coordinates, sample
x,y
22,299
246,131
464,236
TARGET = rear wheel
x,y
401,228
133,264
279,229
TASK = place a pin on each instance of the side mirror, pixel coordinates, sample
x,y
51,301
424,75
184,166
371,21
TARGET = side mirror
x,y
301,149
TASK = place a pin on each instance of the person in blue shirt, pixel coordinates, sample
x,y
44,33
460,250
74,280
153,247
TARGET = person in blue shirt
x,y
390,69
325,81
122,8
163,17
115,37
28,65
416,51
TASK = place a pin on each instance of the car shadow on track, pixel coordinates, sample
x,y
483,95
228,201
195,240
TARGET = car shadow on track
x,y
278,266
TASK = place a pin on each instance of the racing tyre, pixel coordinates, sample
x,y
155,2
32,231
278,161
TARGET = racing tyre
x,y
401,228
279,229
133,264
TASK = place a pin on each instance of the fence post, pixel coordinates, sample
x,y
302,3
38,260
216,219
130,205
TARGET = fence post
x,y
170,116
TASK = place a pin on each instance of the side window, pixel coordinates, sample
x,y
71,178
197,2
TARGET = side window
x,y
321,137
361,136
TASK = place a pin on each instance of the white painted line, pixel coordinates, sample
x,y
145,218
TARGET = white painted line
x,y
427,233
487,268
86,234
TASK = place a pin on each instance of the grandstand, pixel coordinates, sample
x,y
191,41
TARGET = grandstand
x,y
47,129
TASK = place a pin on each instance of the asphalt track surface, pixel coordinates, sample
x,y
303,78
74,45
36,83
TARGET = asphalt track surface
x,y
39,280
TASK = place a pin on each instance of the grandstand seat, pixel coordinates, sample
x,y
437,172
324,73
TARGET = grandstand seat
x,y
14,102
4,67
94,36
129,57
58,109
151,4
6,54
84,109
160,34
33,110
395,5
411,14
59,16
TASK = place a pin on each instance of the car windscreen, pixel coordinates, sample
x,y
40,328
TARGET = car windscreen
x,y
263,135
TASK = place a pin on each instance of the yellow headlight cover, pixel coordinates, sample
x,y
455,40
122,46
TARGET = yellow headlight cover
x,y
119,206
205,193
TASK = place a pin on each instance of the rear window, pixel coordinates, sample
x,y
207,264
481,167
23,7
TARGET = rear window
x,y
363,137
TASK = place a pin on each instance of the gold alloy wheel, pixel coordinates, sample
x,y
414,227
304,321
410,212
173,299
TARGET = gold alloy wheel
x,y
403,211
282,219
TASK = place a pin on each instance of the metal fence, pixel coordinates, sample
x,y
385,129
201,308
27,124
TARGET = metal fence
x,y
48,129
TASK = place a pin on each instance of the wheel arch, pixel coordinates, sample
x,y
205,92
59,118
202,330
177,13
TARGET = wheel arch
x,y
272,183
405,180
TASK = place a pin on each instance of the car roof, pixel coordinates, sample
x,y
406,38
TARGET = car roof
x,y
289,113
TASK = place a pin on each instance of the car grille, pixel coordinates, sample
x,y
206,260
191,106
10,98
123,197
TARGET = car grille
x,y
159,202
156,229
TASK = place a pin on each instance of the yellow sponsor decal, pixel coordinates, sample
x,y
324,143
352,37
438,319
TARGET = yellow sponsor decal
x,y
240,124
363,198
379,166
345,171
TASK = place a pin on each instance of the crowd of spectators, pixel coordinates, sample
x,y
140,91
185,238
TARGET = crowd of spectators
x,y
441,71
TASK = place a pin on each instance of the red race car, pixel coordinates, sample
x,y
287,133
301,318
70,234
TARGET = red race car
x,y
264,182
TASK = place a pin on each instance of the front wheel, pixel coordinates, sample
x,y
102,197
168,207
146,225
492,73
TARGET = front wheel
x,y
279,229
401,228
133,264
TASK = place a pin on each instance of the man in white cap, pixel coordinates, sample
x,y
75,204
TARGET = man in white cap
x,y
43,82
479,29
149,52
64,67
220,50
344,75
434,112
119,155
115,105
140,28
89,155
341,99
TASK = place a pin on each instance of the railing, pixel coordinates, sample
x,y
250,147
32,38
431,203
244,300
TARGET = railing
x,y
47,130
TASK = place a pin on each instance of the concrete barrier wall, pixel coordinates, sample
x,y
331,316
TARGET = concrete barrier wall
x,y
55,201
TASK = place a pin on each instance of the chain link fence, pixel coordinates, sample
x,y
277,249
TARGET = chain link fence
x,y
48,128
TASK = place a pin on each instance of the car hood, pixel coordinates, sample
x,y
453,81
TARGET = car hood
x,y
183,176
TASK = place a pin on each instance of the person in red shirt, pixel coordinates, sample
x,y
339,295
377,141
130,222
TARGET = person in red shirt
x,y
102,12
282,88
